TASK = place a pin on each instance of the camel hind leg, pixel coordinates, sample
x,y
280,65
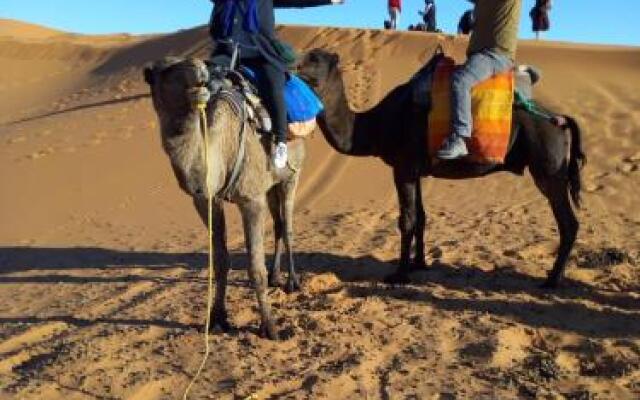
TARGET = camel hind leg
x,y
288,194
556,190
274,200
556,158
253,212
281,200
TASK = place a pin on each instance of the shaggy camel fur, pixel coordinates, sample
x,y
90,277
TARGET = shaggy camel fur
x,y
394,131
259,189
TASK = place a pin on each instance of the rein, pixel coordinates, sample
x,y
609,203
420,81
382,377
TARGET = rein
x,y
232,180
201,99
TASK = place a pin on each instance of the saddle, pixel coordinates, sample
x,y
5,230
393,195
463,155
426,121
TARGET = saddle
x,y
302,104
492,107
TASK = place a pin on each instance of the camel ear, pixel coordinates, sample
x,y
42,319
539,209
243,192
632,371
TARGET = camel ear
x,y
335,59
149,75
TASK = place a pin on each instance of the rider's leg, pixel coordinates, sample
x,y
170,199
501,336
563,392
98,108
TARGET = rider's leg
x,y
272,93
479,67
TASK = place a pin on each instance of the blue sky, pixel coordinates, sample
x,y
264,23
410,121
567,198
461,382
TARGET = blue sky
x,y
589,21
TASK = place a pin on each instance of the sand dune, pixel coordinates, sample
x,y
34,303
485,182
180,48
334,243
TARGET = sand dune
x,y
101,257
25,31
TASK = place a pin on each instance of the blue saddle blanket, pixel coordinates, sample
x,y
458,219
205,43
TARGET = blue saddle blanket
x,y
302,103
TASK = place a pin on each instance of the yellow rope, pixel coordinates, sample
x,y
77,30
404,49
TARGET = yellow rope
x,y
203,123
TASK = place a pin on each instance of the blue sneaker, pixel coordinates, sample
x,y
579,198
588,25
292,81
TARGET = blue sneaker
x,y
453,148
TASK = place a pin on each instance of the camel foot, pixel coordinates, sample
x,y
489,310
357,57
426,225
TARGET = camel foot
x,y
219,325
550,283
292,285
418,265
275,280
398,278
268,331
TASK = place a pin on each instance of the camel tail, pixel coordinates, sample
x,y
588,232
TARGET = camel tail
x,y
577,160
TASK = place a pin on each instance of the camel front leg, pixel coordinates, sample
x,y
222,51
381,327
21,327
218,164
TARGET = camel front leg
x,y
406,188
218,321
253,213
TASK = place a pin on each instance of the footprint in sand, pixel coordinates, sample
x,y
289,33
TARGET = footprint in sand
x,y
15,140
592,184
592,187
627,167
363,85
630,164
41,153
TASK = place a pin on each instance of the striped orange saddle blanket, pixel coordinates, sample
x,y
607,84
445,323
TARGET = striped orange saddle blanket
x,y
492,109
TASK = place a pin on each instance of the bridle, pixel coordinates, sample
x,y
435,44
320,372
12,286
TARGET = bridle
x,y
202,97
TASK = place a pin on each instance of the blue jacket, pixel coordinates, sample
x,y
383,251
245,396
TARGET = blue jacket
x,y
254,44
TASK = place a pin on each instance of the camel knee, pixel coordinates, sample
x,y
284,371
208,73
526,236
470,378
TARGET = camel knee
x,y
289,235
421,218
259,277
573,227
278,228
407,222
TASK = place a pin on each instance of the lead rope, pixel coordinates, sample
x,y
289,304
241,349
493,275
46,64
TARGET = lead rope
x,y
202,109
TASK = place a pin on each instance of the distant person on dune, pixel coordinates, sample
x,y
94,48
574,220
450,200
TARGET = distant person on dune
x,y
465,26
395,8
250,24
540,17
429,15
492,50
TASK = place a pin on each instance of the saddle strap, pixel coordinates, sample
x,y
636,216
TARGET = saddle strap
x,y
232,179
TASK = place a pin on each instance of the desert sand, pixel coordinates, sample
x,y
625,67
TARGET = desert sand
x,y
103,259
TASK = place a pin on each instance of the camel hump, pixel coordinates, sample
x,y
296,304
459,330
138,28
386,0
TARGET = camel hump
x,y
526,77
422,81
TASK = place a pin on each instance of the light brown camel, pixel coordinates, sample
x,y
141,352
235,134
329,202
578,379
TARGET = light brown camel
x,y
394,130
258,188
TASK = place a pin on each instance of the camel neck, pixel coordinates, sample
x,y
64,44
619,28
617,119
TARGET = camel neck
x,y
223,139
184,143
349,132
337,120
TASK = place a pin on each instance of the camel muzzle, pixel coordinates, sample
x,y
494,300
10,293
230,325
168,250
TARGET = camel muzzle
x,y
199,95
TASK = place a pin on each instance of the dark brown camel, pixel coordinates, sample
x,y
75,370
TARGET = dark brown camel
x,y
394,131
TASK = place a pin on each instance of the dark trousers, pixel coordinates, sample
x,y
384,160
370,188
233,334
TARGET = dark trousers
x,y
271,82
430,19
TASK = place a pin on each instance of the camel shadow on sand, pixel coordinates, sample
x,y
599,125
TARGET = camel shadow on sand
x,y
502,292
82,107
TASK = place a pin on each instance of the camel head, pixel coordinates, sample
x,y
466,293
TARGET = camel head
x,y
318,68
176,86
176,83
